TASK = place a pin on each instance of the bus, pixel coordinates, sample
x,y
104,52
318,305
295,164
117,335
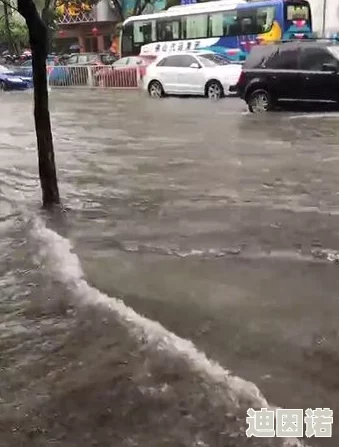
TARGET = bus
x,y
226,27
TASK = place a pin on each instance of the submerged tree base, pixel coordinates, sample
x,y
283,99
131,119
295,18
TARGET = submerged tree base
x,y
38,37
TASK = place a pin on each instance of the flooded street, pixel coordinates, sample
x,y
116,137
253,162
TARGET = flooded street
x,y
191,276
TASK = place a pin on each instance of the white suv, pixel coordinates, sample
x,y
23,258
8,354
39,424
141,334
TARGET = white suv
x,y
191,73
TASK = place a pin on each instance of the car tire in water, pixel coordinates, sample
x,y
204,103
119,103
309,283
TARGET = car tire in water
x,y
259,101
214,90
155,89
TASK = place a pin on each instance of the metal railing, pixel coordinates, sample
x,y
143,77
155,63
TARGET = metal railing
x,y
81,17
99,76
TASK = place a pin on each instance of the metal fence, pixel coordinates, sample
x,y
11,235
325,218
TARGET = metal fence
x,y
98,76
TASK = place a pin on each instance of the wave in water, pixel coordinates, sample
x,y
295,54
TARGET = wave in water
x,y
64,265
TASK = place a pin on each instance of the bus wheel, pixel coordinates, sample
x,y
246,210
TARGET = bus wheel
x,y
259,101
214,90
155,89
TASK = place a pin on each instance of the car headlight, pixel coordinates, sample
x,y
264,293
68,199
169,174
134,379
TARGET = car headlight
x,y
18,80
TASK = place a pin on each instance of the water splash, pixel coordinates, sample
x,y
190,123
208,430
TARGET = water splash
x,y
64,265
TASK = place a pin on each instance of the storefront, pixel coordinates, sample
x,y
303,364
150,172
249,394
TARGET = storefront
x,y
90,37
92,28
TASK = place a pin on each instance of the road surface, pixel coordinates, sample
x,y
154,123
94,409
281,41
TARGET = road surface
x,y
217,230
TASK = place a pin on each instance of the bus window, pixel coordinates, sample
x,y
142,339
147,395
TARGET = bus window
x,y
223,24
265,17
247,21
231,24
298,12
247,25
216,27
297,19
127,40
168,30
144,32
195,26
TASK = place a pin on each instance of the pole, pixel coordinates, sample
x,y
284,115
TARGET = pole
x,y
324,18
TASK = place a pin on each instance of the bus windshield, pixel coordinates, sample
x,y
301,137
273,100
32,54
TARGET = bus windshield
x,y
298,13
297,19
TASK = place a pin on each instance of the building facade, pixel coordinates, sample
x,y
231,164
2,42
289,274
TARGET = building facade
x,y
94,28
90,27
325,15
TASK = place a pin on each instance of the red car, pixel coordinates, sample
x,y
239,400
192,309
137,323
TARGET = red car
x,y
124,72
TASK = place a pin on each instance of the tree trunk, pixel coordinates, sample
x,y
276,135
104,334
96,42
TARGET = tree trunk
x,y
38,41
8,30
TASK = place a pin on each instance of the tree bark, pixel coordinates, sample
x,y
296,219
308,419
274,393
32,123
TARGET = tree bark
x,y
38,40
139,6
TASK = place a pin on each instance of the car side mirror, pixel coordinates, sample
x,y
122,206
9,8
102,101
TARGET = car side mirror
x,y
194,65
330,67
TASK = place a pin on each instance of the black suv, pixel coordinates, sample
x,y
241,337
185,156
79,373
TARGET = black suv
x,y
290,71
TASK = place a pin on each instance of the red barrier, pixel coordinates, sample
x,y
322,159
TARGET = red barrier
x,y
117,78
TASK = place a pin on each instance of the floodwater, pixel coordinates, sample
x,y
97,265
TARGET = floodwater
x,y
193,273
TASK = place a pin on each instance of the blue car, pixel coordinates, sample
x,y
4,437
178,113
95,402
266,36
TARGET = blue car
x,y
9,80
26,69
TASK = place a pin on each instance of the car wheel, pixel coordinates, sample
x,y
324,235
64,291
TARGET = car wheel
x,y
155,89
259,101
214,90
3,86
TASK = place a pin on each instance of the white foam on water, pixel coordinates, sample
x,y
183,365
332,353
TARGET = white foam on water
x,y
314,115
64,265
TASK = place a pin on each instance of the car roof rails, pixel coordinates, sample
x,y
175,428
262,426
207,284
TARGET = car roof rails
x,y
308,40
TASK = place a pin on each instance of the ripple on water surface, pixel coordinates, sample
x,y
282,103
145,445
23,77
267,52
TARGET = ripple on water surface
x,y
162,207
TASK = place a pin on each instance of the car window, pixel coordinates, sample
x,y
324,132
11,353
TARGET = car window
x,y
108,59
313,58
181,60
186,61
212,60
162,62
83,58
72,60
286,58
259,54
134,61
121,62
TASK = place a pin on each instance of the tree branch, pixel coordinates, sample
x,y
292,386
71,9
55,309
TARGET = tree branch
x,y
118,7
146,2
9,5
140,6
29,12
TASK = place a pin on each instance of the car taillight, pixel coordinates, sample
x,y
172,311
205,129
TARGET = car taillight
x,y
241,79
